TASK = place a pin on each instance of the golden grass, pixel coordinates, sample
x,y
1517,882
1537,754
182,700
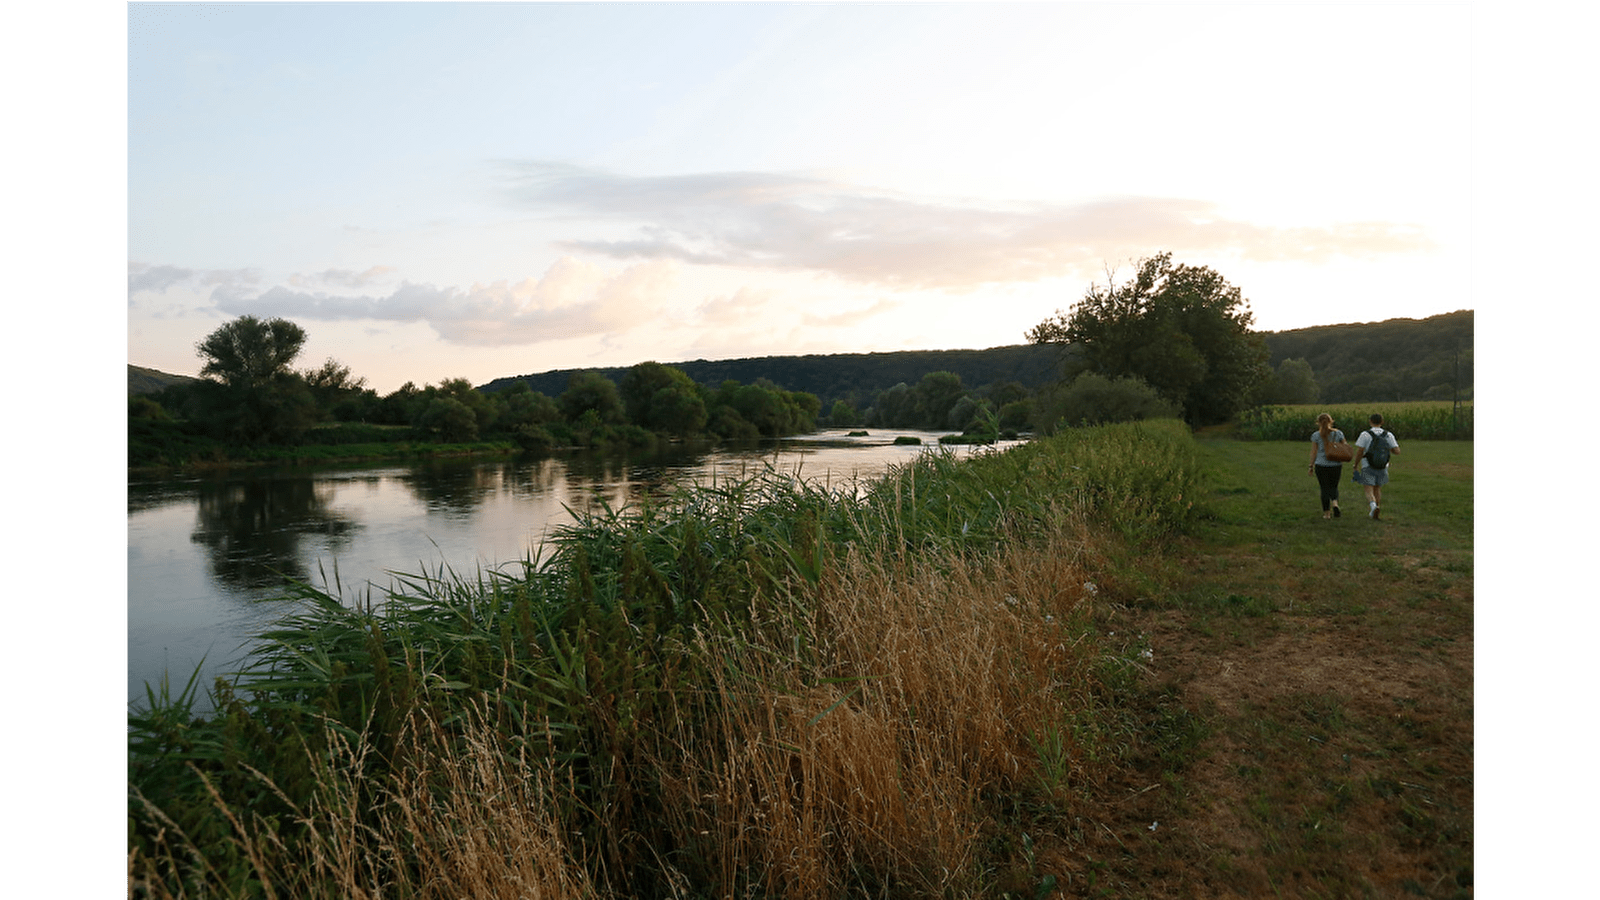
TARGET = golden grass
x,y
875,757
929,688
466,819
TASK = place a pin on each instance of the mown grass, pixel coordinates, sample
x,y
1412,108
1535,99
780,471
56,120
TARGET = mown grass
x,y
757,688
1330,665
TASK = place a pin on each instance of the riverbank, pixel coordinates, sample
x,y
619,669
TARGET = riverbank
x,y
979,679
158,447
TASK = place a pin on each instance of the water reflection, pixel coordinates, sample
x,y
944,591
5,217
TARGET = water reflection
x,y
253,530
201,552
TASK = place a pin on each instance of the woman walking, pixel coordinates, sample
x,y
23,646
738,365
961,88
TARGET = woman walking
x,y
1328,470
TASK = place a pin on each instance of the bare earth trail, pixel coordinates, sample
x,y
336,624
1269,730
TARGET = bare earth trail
x,y
1307,702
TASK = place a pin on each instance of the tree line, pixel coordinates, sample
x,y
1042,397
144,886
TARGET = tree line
x,y
249,394
1173,340
856,378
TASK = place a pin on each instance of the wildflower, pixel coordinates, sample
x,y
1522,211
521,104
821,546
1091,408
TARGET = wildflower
x,y
1090,589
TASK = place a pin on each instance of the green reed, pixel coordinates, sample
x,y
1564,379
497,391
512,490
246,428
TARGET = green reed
x,y
590,654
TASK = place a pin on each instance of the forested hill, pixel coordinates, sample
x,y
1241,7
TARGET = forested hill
x,y
853,377
1393,360
148,381
1397,359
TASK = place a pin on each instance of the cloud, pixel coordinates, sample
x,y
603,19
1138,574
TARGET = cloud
x,y
143,277
744,305
572,299
850,318
796,223
342,277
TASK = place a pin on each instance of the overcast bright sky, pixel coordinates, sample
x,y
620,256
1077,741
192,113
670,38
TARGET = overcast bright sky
x,y
479,190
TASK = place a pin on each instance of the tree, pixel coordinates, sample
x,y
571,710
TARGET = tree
x,y
896,407
677,409
521,406
462,391
247,391
1292,383
937,394
662,398
843,415
1092,399
452,420
591,391
248,351
1183,330
337,393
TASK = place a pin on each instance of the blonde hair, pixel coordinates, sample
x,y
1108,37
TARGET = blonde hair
x,y
1325,427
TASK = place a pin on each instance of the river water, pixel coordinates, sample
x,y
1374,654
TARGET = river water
x,y
203,551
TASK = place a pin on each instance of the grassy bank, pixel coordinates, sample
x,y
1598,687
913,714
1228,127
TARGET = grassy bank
x,y
1115,663
761,688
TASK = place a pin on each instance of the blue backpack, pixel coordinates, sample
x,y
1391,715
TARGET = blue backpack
x,y
1377,455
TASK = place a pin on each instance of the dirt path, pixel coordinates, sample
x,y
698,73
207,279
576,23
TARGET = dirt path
x,y
1307,705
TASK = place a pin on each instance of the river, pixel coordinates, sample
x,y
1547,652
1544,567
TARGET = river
x,y
204,551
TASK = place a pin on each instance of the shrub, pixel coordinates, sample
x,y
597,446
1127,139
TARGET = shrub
x,y
1093,399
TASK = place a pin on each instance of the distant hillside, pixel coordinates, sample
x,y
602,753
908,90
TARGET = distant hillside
x,y
1392,360
148,381
855,377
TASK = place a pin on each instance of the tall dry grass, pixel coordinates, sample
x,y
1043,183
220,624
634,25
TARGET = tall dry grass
x,y
874,760
467,817
930,688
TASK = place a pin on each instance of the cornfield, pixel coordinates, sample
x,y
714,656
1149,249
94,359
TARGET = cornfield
x,y
1421,420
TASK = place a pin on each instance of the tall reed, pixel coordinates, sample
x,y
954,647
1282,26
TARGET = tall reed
x,y
760,687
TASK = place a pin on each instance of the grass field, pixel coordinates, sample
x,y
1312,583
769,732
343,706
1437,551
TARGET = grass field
x,y
1322,675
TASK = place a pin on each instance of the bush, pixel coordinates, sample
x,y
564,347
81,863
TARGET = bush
x,y
1092,399
534,438
1017,415
142,407
450,419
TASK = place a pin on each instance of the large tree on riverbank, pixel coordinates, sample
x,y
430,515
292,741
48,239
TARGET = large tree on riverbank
x,y
1184,330
248,392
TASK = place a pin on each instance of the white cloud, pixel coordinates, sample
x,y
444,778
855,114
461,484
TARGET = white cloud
x,y
573,299
852,317
342,277
747,304
784,222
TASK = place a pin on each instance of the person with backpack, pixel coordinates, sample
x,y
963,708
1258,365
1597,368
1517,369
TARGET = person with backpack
x,y
1374,448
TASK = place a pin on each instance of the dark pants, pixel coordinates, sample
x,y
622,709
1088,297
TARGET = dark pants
x,y
1328,478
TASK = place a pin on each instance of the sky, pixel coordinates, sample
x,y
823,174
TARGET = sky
x,y
479,190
